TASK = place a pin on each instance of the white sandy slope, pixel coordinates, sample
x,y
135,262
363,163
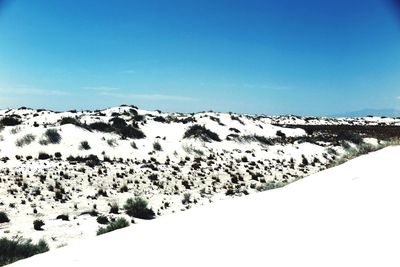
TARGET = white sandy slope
x,y
344,216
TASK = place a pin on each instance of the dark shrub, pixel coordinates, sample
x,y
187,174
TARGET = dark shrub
x,y
18,248
38,224
26,140
57,155
101,219
351,137
52,136
131,132
138,117
160,119
157,146
118,224
69,120
281,134
84,145
91,160
43,155
3,217
137,207
10,121
114,208
101,127
63,217
198,131
118,122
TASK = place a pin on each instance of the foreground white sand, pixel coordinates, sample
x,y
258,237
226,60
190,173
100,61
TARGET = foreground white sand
x,y
344,216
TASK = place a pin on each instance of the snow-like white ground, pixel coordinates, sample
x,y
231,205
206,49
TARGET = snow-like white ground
x,y
343,216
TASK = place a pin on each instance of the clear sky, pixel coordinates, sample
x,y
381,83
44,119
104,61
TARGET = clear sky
x,y
312,57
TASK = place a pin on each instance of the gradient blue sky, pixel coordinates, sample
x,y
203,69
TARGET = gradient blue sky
x,y
257,56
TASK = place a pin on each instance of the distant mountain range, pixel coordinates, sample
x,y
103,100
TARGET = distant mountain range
x,y
370,112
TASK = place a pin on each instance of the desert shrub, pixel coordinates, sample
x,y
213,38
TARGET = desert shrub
x,y
25,140
118,122
257,138
101,219
57,155
201,132
15,130
186,198
114,208
160,119
18,248
112,142
43,156
91,160
51,136
112,226
304,160
38,224
70,120
350,136
3,217
157,146
131,132
133,145
63,217
118,126
281,134
137,207
270,185
101,127
10,121
84,145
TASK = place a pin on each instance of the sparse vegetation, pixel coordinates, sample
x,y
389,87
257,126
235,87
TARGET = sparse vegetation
x,y
43,156
38,224
25,140
84,145
201,132
112,226
18,248
3,217
10,121
157,146
101,219
137,207
50,136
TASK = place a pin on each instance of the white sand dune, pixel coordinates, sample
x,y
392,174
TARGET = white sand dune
x,y
344,216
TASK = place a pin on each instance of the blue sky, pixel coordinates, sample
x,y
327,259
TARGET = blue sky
x,y
259,56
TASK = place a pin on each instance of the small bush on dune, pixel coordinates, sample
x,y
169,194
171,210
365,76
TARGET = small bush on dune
x,y
3,217
43,156
51,136
18,248
137,207
112,226
101,127
112,142
63,217
131,132
350,136
38,224
114,208
26,140
84,145
120,127
10,121
198,131
133,145
101,219
157,146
